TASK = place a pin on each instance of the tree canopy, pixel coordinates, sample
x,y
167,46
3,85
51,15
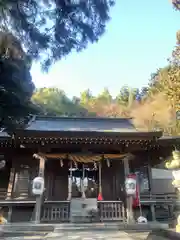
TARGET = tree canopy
x,y
47,30
16,87
44,30
54,102
50,29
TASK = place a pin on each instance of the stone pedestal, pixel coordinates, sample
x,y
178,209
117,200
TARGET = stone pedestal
x,y
178,228
176,183
174,164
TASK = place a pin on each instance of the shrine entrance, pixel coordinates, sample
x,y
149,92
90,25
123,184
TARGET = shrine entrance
x,y
85,181
93,188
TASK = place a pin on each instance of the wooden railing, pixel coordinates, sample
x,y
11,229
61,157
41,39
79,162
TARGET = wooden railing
x,y
56,212
111,211
164,198
60,211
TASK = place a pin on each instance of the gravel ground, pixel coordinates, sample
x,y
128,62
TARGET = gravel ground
x,y
87,235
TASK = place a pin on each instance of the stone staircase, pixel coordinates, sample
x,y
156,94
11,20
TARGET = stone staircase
x,y
109,227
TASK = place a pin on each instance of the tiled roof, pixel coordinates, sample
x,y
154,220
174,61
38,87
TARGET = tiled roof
x,y
4,134
81,124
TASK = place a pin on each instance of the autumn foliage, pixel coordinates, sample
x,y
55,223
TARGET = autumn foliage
x,y
152,108
149,114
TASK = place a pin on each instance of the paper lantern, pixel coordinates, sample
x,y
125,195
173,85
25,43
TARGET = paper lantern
x,y
130,185
2,164
38,186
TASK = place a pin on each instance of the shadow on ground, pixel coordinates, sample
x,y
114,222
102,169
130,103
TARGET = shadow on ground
x,y
161,234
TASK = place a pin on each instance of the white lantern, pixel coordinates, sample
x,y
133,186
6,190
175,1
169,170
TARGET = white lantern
x,y
130,185
2,164
38,186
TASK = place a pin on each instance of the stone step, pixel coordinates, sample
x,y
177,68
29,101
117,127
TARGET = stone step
x,y
109,227
46,228
27,227
16,234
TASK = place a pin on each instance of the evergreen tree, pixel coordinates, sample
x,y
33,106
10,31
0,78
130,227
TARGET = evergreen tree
x,y
51,29
16,87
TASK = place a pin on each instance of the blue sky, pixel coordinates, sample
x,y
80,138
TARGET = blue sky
x,y
139,39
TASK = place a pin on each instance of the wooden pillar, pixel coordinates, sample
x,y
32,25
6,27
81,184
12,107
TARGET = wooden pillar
x,y
153,212
129,199
100,181
152,207
170,210
70,183
150,178
83,177
39,199
11,182
9,214
10,189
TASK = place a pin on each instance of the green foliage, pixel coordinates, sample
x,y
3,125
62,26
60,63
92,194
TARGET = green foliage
x,y
54,102
127,95
48,30
167,80
16,87
51,29
105,97
86,97
176,4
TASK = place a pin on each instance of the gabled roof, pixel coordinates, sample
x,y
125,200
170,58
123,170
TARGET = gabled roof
x,y
60,124
169,141
3,134
81,128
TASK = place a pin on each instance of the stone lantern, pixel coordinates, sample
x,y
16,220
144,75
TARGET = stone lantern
x,y
174,164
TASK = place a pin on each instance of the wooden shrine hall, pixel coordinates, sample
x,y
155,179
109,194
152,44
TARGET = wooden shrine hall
x,y
84,162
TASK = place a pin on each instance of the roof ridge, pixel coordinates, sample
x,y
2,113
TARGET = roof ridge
x,y
39,117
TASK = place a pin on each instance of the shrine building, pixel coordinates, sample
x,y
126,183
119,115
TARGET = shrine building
x,y
84,163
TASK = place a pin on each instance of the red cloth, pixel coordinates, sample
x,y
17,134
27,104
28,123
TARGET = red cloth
x,y
100,198
136,201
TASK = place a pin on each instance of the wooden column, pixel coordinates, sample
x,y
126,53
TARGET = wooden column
x,y
100,181
39,199
129,200
70,183
83,177
10,189
11,182
152,207
150,179
153,213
